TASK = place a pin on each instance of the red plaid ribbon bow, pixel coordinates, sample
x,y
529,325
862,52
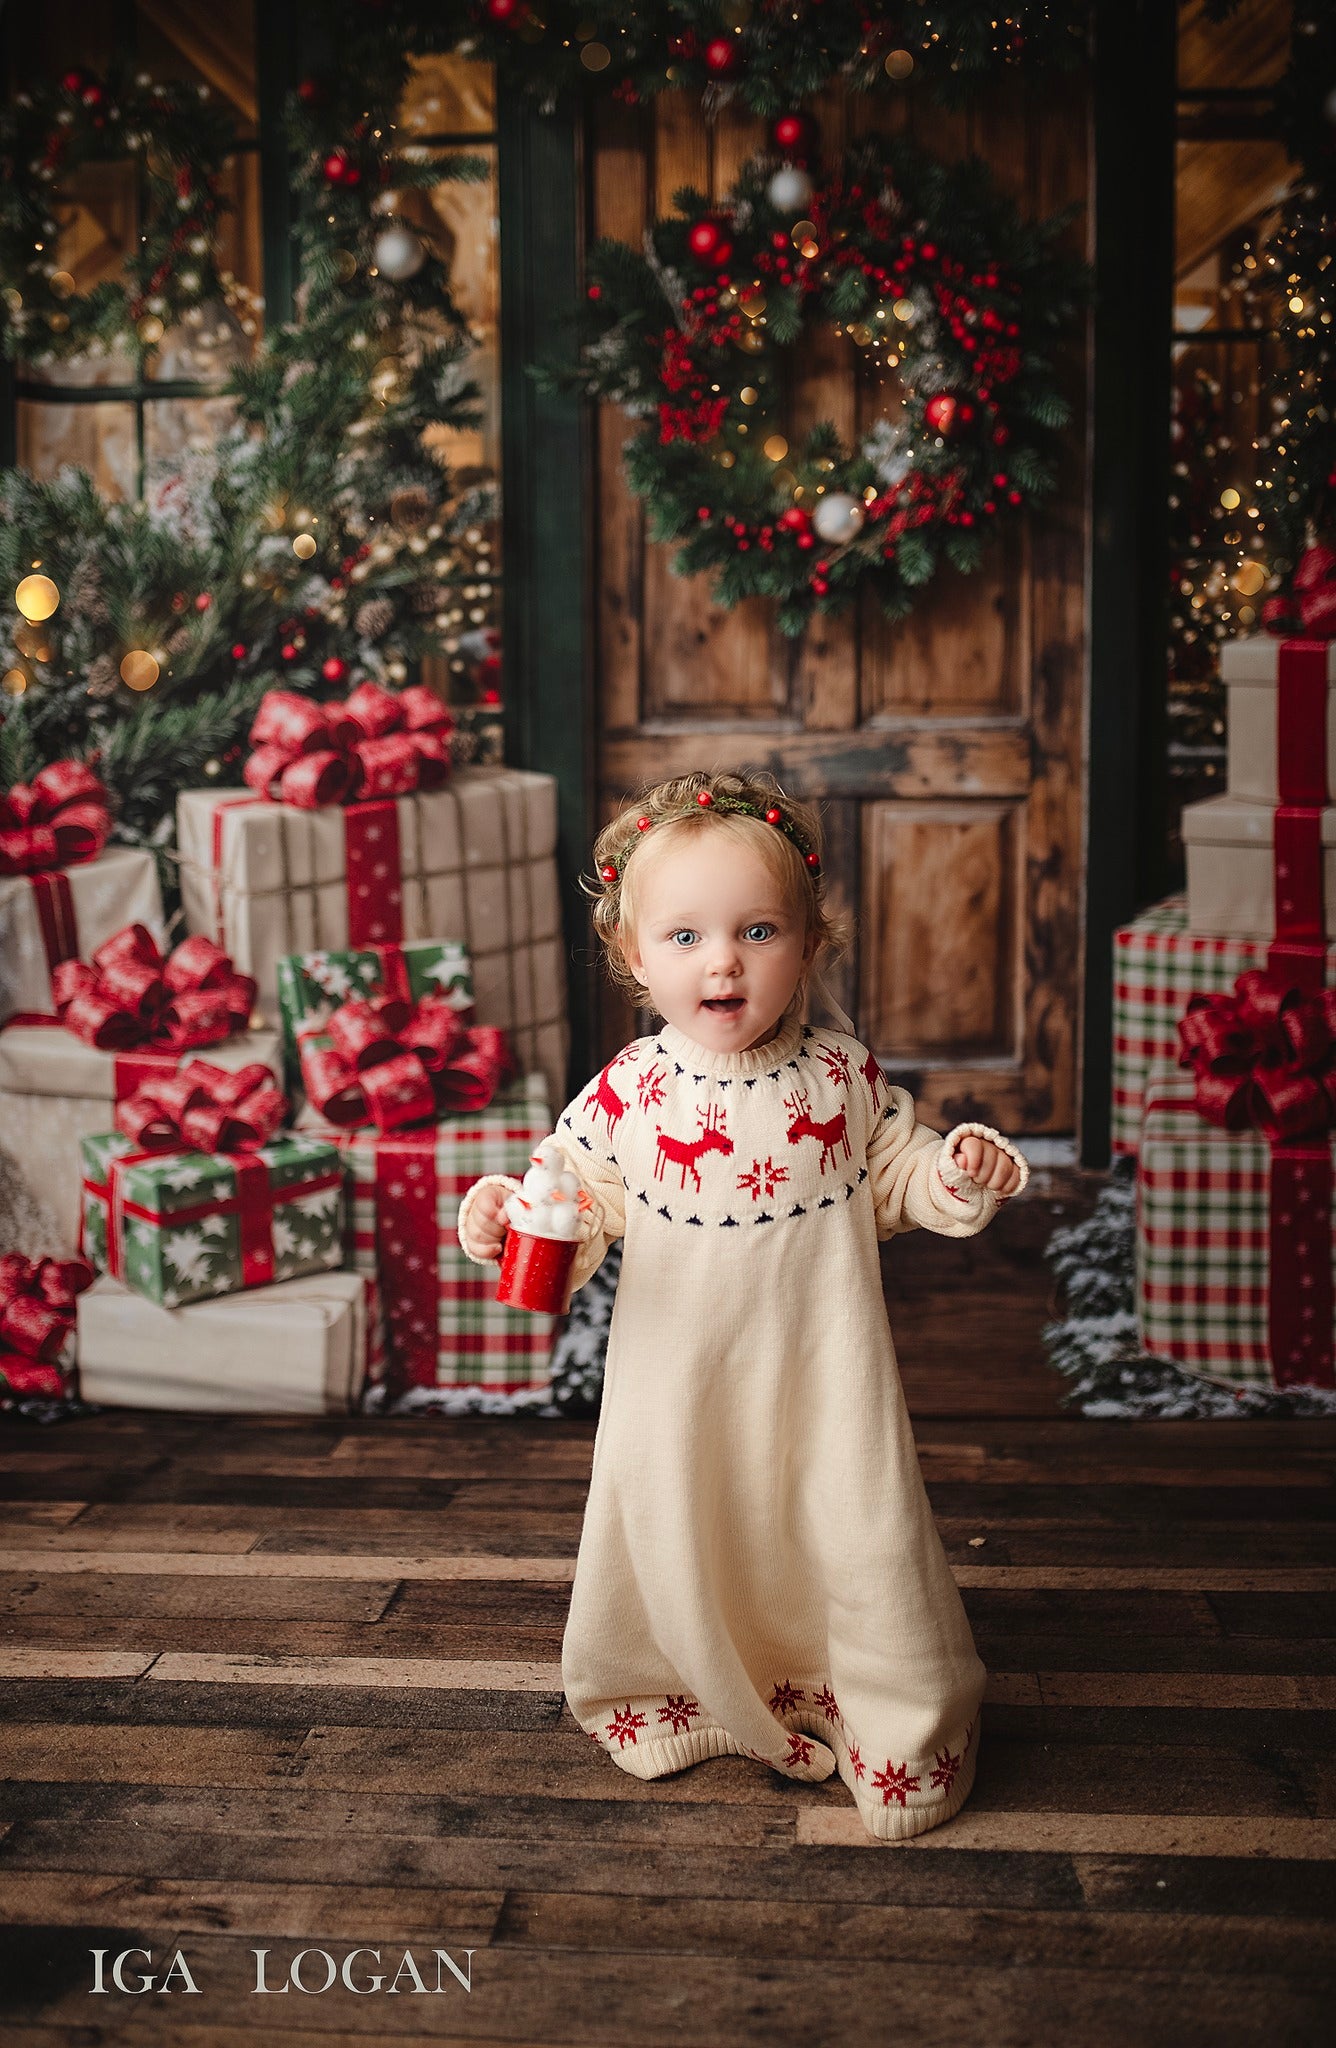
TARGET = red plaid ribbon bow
x,y
204,1108
57,820
37,1303
393,1063
131,996
1264,1057
377,744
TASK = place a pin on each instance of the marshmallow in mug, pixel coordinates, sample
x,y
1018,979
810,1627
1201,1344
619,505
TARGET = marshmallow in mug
x,y
548,1203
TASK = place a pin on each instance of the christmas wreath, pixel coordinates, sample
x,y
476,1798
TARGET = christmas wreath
x,y
952,301
180,137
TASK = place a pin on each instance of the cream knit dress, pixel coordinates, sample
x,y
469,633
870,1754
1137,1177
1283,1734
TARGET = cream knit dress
x,y
758,1572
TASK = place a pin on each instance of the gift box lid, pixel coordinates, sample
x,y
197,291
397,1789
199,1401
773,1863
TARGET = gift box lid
x,y
1236,821
1253,662
165,1183
45,1059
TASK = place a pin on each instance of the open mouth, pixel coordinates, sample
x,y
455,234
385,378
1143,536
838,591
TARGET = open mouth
x,y
724,1006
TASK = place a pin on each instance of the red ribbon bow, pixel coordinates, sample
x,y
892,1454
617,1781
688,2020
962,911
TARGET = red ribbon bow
x,y
204,1108
130,995
393,1063
1264,1057
57,820
377,744
1310,604
37,1303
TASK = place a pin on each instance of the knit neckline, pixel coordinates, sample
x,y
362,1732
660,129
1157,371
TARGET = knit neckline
x,y
757,1059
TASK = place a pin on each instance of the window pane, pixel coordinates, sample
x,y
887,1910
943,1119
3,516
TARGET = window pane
x,y
99,438
1250,49
449,96
203,42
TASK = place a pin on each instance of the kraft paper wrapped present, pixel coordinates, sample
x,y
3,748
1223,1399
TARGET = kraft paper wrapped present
x,y
1157,965
1250,670
179,1227
55,1091
66,914
302,1347
473,862
1234,1246
443,1324
311,986
1244,882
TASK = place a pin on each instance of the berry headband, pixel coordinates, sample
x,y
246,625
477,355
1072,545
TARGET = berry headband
x,y
610,871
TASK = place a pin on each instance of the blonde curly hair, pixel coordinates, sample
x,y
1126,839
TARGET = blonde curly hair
x,y
674,810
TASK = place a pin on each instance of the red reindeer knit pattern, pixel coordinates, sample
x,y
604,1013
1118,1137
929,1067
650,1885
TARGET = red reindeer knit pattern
x,y
759,1574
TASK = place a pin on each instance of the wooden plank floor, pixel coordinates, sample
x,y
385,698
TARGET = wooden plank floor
x,y
292,1685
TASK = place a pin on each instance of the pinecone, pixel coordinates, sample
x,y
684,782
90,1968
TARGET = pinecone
x,y
103,676
83,594
179,642
428,598
410,508
374,618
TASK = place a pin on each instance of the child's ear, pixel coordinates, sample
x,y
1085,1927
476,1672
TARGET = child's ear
x,y
630,953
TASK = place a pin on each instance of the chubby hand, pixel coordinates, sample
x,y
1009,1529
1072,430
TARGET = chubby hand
x,y
987,1165
487,1222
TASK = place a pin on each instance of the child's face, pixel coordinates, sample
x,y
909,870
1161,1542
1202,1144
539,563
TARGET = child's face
x,y
717,944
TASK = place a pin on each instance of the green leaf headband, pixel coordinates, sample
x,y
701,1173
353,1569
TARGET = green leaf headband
x,y
610,871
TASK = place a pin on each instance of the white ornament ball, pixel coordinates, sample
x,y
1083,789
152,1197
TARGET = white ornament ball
x,y
789,190
397,252
838,518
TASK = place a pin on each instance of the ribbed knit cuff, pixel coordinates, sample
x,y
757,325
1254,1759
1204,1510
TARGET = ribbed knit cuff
x,y
954,1177
489,1180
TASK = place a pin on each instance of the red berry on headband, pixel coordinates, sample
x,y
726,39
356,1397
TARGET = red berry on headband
x,y
608,872
774,817
643,824
704,798
813,860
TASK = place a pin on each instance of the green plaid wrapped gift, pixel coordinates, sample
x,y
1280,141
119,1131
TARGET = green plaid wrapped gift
x,y
1203,1244
311,986
184,1226
1157,964
443,1324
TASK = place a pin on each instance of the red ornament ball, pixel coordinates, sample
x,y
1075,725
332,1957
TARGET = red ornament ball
x,y
940,412
334,670
309,92
203,601
721,55
790,130
794,520
336,168
704,799
703,239
774,817
503,11
288,651
239,651
73,81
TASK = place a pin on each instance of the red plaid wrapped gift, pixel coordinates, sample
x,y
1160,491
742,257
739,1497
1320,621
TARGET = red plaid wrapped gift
x,y
1158,965
1235,1189
443,1324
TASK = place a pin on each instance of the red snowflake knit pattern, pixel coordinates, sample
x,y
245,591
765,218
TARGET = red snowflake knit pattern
x,y
679,1711
624,1724
895,1782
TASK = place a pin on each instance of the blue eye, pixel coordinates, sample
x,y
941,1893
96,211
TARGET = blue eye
x,y
688,936
759,931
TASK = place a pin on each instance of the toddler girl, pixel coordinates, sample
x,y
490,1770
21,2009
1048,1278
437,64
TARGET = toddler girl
x,y
758,1573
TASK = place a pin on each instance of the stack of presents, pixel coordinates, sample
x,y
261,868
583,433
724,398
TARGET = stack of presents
x,y
1225,1045
252,1144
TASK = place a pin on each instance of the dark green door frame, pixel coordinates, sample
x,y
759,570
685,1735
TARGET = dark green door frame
x,y
1126,858
545,499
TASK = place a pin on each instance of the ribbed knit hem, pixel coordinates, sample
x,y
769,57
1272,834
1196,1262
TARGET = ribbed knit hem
x,y
889,1810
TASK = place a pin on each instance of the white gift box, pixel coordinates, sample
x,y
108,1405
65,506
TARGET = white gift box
x,y
119,888
298,1348
1230,848
477,864
1249,670
56,1091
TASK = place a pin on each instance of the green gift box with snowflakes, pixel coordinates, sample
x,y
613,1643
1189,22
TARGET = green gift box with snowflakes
x,y
185,1226
311,986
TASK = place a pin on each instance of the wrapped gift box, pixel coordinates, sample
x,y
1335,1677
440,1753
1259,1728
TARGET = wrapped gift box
x,y
182,1226
1250,670
55,1091
1231,861
1157,965
476,862
312,985
303,1347
443,1324
1204,1248
67,913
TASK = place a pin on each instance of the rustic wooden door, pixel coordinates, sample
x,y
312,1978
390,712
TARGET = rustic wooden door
x,y
946,752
